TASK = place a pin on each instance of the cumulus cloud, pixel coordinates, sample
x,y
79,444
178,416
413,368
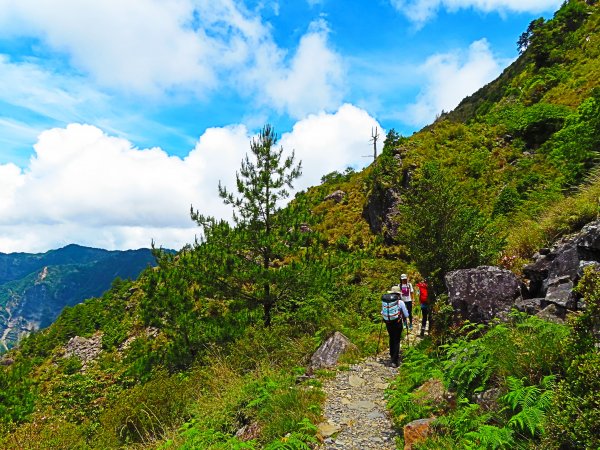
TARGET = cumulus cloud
x,y
149,47
420,11
328,142
85,186
449,77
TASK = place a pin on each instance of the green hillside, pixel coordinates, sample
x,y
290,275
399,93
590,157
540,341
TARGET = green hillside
x,y
36,287
216,337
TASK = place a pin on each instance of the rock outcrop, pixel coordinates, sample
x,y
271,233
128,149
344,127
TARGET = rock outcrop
x,y
380,211
484,293
86,349
329,352
555,271
336,196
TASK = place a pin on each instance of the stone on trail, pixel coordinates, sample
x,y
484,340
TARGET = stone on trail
x,y
362,405
327,429
355,381
416,431
328,354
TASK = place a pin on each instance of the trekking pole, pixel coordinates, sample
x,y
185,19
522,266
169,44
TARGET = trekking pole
x,y
379,338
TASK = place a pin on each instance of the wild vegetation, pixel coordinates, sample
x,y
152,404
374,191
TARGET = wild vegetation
x,y
211,341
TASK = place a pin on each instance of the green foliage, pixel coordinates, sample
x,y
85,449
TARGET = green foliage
x,y
574,148
302,439
468,366
337,177
519,359
576,406
406,405
249,262
530,404
443,229
490,437
575,418
210,440
17,393
147,411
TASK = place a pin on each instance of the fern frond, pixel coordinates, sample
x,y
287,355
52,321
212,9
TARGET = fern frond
x,y
489,436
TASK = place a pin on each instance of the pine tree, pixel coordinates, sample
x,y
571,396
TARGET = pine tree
x,y
248,260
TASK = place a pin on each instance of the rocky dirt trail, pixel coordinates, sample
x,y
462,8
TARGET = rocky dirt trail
x,y
355,411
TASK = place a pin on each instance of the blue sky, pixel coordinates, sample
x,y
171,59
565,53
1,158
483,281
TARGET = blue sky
x,y
115,116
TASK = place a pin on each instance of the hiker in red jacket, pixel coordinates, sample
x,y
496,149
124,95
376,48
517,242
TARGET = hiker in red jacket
x,y
424,301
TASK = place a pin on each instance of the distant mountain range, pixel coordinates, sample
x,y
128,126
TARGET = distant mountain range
x,y
34,288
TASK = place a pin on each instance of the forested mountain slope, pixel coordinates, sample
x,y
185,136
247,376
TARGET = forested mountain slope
x,y
34,288
181,357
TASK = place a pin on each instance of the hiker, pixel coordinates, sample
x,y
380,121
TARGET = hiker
x,y
393,311
424,301
407,294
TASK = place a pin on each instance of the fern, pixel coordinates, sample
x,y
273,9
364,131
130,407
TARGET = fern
x,y
464,419
468,366
298,440
530,404
489,437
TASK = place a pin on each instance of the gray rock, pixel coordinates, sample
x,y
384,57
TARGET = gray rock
x,y
566,263
553,313
530,306
86,349
329,352
537,273
488,399
556,271
560,292
380,210
484,293
336,196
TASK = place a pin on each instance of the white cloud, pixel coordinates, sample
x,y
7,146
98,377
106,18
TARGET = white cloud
x,y
326,142
419,11
43,92
181,46
314,77
87,187
449,77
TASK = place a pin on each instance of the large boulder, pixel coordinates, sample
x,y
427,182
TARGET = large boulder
x,y
484,293
555,271
329,352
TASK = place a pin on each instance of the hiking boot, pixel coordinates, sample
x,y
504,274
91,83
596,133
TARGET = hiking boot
x,y
394,365
422,334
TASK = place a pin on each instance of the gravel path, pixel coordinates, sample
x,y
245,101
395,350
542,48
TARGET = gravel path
x,y
355,411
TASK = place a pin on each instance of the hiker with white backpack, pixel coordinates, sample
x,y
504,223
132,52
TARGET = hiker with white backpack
x,y
393,311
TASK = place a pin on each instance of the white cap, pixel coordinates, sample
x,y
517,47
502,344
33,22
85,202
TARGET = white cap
x,y
403,277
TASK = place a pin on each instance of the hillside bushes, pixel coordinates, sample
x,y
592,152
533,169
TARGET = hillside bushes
x,y
512,366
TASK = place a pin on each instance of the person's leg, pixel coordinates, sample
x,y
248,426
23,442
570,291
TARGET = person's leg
x,y
395,333
397,339
409,309
391,335
424,314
